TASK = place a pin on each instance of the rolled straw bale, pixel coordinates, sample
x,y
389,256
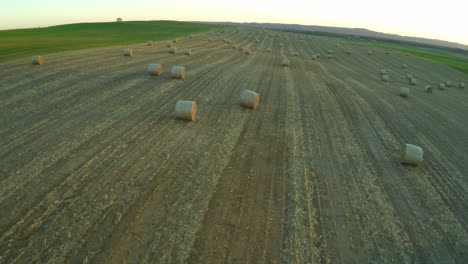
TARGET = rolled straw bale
x,y
228,41
178,72
37,60
385,78
119,19
249,99
409,76
369,52
169,44
441,86
176,40
318,56
285,63
404,92
413,81
235,47
268,50
411,154
187,52
314,57
387,51
128,52
150,43
448,83
330,51
428,89
186,110
281,45
383,71
348,52
404,66
247,51
155,69
295,53
174,50
330,56
462,85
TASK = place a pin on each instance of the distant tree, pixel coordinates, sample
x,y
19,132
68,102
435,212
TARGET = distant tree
x,y
119,19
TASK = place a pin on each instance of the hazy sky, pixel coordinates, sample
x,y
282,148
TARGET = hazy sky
x,y
446,20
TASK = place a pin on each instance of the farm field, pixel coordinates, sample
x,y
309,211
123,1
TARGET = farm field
x,y
94,167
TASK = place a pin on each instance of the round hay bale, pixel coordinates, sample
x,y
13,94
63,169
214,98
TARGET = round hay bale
x,y
187,52
176,40
285,63
404,92
119,19
281,45
428,89
240,49
404,66
150,43
441,86
385,78
314,57
448,83
178,72
348,52
409,76
128,52
411,154
247,51
210,39
228,41
387,51
295,53
169,44
37,60
174,50
318,56
235,47
268,50
330,51
413,81
249,99
369,53
155,69
383,71
330,56
462,86
186,110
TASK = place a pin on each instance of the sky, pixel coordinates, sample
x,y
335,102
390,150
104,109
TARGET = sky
x,y
444,20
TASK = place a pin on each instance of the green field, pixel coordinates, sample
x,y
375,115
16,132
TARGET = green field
x,y
21,43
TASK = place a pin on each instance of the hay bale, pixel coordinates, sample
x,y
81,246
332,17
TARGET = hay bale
x,y
128,52
186,110
235,47
413,81
330,51
174,50
268,50
448,83
187,52
387,51
369,53
330,56
385,78
462,86
150,43
281,45
210,39
178,72
155,69
383,71
285,63
404,92
295,53
348,52
249,99
169,44
409,76
119,19
441,86
314,57
37,60
247,51
176,40
411,154
404,66
428,89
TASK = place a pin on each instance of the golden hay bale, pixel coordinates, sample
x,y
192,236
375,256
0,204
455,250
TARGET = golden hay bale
x,y
404,66
186,110
348,52
295,53
411,154
369,53
128,52
174,50
330,51
119,19
330,56
155,69
314,57
247,51
37,60
176,40
383,71
285,63
235,46
462,85
169,44
441,86
404,92
187,52
268,50
428,89
249,99
178,72
385,78
387,51
448,83
413,81
150,43
409,76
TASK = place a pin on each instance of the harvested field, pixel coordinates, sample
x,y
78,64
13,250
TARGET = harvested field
x,y
95,167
